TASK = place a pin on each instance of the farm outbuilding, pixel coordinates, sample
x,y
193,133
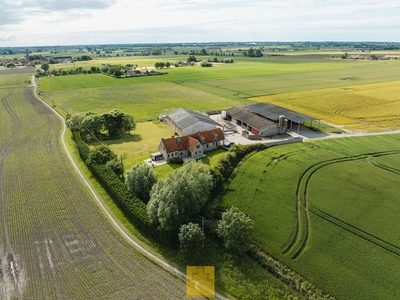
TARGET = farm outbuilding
x,y
253,123
185,122
272,112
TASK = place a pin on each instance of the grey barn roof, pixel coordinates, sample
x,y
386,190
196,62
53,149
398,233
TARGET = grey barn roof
x,y
185,117
272,112
249,118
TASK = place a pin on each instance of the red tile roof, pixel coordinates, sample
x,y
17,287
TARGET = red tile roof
x,y
189,142
209,136
179,143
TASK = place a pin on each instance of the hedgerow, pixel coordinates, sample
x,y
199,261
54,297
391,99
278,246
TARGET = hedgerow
x,y
132,207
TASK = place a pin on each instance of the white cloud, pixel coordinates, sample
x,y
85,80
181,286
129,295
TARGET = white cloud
x,y
105,21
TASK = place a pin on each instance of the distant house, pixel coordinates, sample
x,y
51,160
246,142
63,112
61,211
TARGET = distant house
x,y
63,59
131,73
185,122
392,56
251,122
356,56
192,146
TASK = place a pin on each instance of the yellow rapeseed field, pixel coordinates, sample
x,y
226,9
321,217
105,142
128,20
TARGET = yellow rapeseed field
x,y
369,107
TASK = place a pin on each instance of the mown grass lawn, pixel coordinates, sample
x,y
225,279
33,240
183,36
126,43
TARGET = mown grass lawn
x,y
143,101
353,249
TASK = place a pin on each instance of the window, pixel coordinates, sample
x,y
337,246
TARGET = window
x,y
197,146
207,146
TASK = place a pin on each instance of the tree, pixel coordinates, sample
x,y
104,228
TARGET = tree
x,y
113,122
203,52
128,123
101,155
139,181
191,238
176,199
92,125
258,53
45,67
117,167
118,73
75,122
191,58
205,63
167,64
235,228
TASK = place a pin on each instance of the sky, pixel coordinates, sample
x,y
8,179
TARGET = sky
x,y
73,22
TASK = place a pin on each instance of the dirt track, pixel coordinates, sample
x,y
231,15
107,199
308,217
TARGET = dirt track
x,y
55,242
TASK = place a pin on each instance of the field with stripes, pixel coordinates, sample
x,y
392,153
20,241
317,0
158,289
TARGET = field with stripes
x,y
329,209
55,241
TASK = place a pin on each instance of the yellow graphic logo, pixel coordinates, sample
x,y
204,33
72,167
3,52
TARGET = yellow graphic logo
x,y
199,281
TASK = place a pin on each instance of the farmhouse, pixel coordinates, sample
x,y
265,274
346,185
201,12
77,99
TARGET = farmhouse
x,y
251,122
185,122
131,73
193,145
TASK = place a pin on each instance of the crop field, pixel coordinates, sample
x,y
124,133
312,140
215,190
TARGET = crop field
x,y
329,209
55,242
143,101
318,87
373,106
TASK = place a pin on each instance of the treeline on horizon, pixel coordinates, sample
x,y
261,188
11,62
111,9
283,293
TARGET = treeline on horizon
x,y
169,46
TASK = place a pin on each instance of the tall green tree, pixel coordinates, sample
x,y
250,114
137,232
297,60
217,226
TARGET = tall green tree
x,y
191,238
45,67
101,155
128,123
191,58
139,181
176,199
92,125
235,228
113,122
75,122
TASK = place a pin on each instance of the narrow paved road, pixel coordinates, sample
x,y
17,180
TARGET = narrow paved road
x,y
55,240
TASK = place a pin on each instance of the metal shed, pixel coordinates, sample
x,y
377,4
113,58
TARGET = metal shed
x,y
272,112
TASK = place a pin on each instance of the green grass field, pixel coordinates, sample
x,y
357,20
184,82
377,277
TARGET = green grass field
x,y
359,94
143,101
340,233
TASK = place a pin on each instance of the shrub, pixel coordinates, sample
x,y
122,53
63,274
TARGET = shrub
x,y
177,161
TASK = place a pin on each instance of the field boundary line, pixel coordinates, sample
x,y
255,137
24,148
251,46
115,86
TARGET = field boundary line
x,y
392,248
115,224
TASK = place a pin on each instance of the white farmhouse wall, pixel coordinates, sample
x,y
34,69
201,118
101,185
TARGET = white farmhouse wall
x,y
269,131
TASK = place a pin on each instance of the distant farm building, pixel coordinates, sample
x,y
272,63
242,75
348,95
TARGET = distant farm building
x,y
193,145
392,56
185,122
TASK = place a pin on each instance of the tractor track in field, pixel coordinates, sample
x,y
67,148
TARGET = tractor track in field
x,y
60,241
9,269
299,238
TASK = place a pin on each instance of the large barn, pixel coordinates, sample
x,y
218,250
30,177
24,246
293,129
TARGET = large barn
x,y
272,112
185,122
253,123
